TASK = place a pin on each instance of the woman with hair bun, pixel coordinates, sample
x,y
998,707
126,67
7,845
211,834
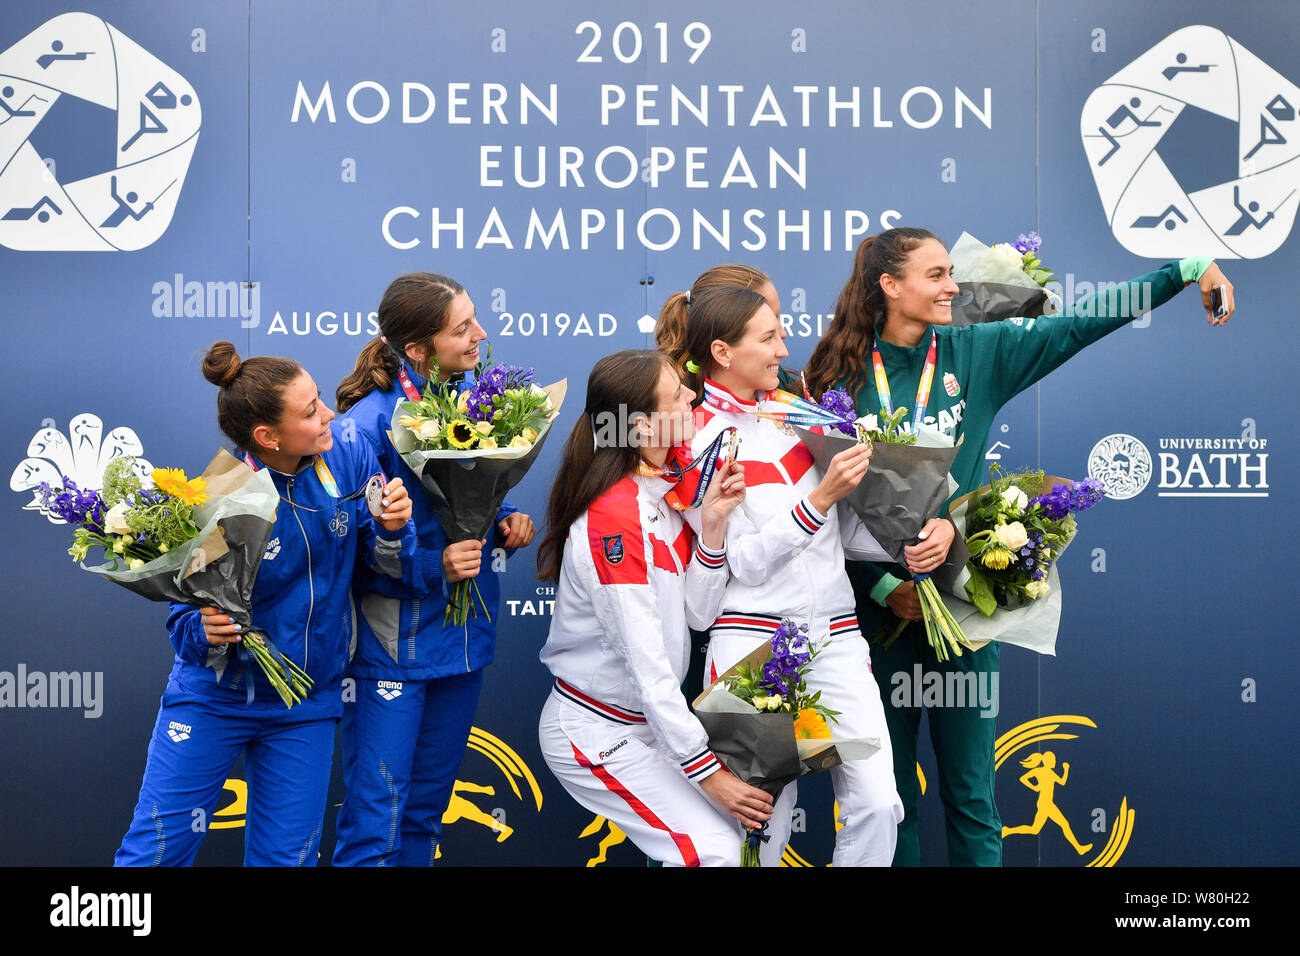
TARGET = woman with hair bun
x,y
215,709
896,309
785,549
616,731
401,752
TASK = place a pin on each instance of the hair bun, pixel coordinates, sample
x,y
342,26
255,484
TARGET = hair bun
x,y
221,364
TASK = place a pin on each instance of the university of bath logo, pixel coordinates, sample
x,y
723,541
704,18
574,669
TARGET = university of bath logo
x,y
130,204
1122,464
1225,180
82,455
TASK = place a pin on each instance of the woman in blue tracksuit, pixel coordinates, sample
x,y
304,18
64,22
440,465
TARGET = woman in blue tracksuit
x,y
215,706
418,680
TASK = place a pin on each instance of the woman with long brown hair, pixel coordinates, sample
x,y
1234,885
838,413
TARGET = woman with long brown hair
x,y
895,312
616,730
216,707
785,549
401,752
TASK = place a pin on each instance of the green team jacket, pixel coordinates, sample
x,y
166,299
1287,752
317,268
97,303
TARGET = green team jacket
x,y
979,368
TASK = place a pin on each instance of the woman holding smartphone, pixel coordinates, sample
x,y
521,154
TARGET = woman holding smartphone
x,y
895,313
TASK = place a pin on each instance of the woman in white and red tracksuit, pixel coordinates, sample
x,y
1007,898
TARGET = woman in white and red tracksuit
x,y
785,551
617,731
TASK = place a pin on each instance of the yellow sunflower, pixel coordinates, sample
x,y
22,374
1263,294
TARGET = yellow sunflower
x,y
810,725
461,434
172,481
996,558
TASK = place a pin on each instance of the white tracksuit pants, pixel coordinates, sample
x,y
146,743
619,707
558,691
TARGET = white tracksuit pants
x,y
868,801
619,772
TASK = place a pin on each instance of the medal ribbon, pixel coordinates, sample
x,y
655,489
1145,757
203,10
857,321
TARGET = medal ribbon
x,y
922,388
412,393
322,472
799,411
707,461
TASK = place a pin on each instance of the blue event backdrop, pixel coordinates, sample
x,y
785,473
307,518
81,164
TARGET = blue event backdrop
x,y
339,145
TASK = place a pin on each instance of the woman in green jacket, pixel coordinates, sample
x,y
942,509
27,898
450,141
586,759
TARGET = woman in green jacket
x,y
897,305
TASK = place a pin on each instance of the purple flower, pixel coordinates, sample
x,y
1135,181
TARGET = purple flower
x,y
838,403
1028,243
74,505
1086,493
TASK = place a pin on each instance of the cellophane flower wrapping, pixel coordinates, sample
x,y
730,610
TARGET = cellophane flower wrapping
x,y
999,287
1018,619
904,488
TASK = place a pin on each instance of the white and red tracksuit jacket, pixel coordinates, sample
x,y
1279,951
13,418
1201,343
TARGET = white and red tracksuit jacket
x,y
786,559
632,577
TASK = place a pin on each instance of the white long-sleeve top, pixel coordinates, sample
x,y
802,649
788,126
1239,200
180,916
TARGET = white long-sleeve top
x,y
785,558
633,575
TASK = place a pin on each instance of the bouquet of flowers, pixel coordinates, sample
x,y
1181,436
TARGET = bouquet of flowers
x,y
469,448
905,487
1000,281
764,725
1016,528
195,541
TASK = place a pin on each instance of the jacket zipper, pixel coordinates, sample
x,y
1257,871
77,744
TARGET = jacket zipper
x,y
311,585
415,626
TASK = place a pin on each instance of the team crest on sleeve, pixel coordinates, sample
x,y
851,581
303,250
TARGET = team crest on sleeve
x,y
613,547
950,384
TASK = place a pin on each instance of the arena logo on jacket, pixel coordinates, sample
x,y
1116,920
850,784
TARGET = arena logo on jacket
x,y
49,199
81,454
1185,466
1195,149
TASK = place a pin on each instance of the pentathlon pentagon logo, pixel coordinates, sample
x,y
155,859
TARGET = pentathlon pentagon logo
x,y
1122,464
126,206
1195,149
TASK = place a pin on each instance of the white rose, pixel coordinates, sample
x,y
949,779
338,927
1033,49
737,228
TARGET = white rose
x,y
429,429
1015,498
519,441
1036,589
759,701
1012,536
774,702
115,520
1010,253
134,563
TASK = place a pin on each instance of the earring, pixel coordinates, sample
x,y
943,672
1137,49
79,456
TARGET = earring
x,y
726,365
277,447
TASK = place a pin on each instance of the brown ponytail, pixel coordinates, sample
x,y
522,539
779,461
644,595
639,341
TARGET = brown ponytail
x,y
840,358
621,388
252,390
413,310
671,331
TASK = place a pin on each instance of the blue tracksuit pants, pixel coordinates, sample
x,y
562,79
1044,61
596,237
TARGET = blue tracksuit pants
x,y
402,746
195,742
